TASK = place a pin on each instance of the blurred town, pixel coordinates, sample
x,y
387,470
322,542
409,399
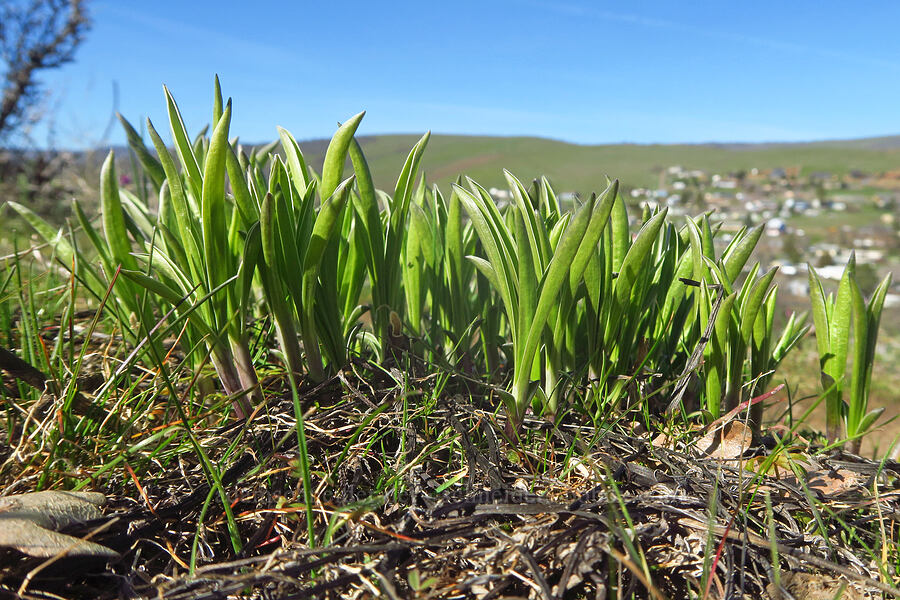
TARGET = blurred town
x,y
817,218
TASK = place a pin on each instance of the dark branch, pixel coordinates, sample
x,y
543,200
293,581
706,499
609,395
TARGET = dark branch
x,y
34,36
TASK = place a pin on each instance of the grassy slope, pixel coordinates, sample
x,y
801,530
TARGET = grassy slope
x,y
582,168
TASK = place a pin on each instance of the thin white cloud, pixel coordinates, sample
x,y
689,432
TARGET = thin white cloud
x,y
198,36
750,40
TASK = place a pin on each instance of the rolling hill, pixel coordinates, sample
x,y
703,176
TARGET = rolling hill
x,y
582,169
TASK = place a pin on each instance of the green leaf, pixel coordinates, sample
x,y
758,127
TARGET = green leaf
x,y
527,280
324,226
752,302
555,277
184,216
113,220
154,285
486,269
820,314
212,205
707,236
51,235
102,249
535,229
736,255
859,367
217,101
138,219
699,272
336,155
493,235
413,263
600,217
839,331
249,261
267,231
247,208
634,261
715,354
296,164
403,189
183,146
873,311
152,166
869,420
621,236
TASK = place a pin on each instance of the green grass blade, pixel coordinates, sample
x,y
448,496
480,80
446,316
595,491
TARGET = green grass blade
x,y
336,155
414,262
600,217
403,189
296,164
187,230
486,269
154,285
247,208
534,230
556,276
856,408
527,290
839,330
876,304
621,236
267,230
151,165
737,254
323,228
636,256
820,314
366,205
751,304
113,220
213,207
217,101
493,236
183,145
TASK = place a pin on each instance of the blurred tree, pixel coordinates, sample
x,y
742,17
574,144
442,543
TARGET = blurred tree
x,y
35,35
867,278
790,249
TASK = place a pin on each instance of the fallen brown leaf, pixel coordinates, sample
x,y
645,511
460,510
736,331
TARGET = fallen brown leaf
x,y
30,523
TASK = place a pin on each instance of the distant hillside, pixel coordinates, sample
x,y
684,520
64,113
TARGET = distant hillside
x,y
888,142
579,168
574,167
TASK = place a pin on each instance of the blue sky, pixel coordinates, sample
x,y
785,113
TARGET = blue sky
x,y
585,72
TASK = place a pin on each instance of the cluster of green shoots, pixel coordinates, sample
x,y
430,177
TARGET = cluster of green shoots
x,y
557,308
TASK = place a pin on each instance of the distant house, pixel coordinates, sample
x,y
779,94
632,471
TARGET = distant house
x,y
834,272
889,179
499,194
775,227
